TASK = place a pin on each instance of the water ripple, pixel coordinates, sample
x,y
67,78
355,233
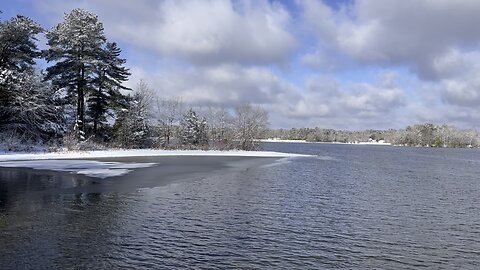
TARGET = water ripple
x,y
371,208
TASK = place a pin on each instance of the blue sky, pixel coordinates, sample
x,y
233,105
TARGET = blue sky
x,y
352,64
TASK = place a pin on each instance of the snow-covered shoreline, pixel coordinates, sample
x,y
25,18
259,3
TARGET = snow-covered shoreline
x,y
304,141
139,153
283,141
78,163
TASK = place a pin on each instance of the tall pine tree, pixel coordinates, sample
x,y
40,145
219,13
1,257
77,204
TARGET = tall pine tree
x,y
75,45
18,51
110,74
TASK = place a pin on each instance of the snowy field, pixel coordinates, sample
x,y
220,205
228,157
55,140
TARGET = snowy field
x,y
78,163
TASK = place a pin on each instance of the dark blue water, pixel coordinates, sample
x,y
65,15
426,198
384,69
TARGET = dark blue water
x,y
352,207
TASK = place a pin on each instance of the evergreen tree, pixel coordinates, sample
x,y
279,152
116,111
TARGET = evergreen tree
x,y
18,43
75,45
193,130
110,74
35,112
132,128
17,53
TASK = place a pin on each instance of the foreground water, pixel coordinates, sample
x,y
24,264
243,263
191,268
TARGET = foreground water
x,y
350,207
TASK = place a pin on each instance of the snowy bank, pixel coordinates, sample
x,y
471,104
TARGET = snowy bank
x,y
140,153
77,163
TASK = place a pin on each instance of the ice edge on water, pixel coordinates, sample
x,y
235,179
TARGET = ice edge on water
x,y
89,168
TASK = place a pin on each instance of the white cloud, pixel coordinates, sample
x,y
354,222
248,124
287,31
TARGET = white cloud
x,y
321,99
226,85
202,32
463,92
409,32
234,51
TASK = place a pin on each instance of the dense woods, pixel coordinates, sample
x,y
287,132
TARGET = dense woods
x,y
422,135
80,101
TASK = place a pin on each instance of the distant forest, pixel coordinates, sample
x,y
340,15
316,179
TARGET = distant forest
x,y
421,135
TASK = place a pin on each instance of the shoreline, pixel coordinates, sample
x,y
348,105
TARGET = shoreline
x,y
127,174
119,153
304,141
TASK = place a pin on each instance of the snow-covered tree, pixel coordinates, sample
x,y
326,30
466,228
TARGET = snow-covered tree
x,y
219,127
18,50
26,105
108,81
250,123
18,43
193,130
34,113
132,127
75,45
167,113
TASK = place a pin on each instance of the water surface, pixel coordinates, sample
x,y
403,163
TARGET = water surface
x,y
350,207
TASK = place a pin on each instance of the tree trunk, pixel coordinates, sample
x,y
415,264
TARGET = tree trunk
x,y
80,103
99,101
95,124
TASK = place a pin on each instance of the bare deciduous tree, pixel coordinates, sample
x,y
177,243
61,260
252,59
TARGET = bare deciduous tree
x,y
219,124
167,113
250,123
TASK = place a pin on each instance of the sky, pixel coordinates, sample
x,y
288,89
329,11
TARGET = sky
x,y
347,64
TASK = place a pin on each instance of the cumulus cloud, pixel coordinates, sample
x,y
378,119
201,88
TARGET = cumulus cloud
x,y
319,100
325,97
465,93
202,32
410,32
300,60
226,85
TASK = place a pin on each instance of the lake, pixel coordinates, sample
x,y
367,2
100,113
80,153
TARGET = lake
x,y
349,207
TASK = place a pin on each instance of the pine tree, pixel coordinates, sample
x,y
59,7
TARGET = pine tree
x,y
75,45
35,112
110,74
17,53
132,128
18,43
193,130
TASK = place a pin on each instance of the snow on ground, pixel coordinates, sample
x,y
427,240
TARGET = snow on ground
x,y
304,141
140,153
72,161
90,168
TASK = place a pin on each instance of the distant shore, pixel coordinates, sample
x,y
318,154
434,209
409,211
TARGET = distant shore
x,y
304,141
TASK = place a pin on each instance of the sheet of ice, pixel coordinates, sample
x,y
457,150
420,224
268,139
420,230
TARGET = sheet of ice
x,y
104,173
139,153
90,168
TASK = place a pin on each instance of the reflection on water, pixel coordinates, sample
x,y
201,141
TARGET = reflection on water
x,y
363,207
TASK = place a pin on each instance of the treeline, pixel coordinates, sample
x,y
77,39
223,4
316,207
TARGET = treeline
x,y
156,122
80,102
421,135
